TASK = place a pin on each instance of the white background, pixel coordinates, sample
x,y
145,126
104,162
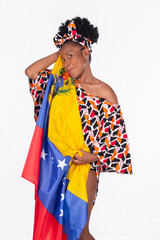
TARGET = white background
x,y
127,57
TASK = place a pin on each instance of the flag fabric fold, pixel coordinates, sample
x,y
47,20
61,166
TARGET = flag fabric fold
x,y
61,202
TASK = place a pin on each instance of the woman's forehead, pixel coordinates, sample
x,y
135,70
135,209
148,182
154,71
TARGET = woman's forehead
x,y
69,46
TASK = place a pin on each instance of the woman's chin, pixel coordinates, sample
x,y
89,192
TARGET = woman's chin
x,y
73,75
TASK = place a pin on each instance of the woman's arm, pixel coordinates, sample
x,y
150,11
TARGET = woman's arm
x,y
41,64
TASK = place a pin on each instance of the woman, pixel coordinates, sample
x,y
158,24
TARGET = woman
x,y
102,121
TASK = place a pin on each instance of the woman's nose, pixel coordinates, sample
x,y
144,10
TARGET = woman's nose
x,y
66,63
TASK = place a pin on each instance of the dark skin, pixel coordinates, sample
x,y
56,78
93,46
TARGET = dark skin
x,y
78,60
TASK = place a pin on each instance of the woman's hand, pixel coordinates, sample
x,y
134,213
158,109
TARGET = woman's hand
x,y
86,158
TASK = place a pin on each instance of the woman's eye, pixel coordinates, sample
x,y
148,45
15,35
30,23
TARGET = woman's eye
x,y
67,56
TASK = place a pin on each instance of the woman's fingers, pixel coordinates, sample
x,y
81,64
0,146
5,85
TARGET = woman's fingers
x,y
74,160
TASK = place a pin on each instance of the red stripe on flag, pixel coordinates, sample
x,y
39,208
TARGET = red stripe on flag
x,y
32,163
46,227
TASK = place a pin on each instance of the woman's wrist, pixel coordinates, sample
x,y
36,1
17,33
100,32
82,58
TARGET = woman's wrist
x,y
95,157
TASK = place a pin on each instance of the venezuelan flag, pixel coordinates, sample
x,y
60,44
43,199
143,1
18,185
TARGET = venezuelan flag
x,y
61,202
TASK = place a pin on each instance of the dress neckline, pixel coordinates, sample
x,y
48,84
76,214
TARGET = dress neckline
x,y
99,98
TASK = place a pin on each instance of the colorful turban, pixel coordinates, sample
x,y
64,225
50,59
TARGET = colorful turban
x,y
72,35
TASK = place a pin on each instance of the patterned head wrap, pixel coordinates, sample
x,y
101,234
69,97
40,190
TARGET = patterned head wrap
x,y
72,35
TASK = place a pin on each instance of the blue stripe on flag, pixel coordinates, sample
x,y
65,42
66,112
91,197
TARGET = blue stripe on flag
x,y
74,215
52,179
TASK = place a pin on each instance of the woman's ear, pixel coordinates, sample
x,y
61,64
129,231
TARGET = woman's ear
x,y
86,52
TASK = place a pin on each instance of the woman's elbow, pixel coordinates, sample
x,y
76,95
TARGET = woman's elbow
x,y
31,74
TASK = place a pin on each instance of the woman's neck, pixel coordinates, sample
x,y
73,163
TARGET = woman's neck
x,y
86,77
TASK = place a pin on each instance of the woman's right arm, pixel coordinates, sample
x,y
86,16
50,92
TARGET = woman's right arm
x,y
41,64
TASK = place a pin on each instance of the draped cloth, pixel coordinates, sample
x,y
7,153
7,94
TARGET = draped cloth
x,y
61,202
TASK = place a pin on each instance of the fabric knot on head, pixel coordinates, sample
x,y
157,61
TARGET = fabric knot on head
x,y
72,35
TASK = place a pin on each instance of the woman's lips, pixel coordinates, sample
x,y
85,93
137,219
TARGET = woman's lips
x,y
70,70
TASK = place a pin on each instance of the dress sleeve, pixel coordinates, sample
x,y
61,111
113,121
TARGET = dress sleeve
x,y
37,89
112,146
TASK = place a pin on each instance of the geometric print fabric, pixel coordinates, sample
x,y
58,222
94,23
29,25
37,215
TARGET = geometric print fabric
x,y
104,132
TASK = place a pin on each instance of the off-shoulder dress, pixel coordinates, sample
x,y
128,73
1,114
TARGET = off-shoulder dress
x,y
103,127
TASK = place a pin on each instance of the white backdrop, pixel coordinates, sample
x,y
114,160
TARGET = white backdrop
x,y
127,57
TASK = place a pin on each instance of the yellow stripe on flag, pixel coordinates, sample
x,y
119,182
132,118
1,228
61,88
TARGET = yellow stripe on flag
x,y
78,175
66,133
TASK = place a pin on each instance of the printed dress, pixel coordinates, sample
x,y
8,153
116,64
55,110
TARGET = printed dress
x,y
103,127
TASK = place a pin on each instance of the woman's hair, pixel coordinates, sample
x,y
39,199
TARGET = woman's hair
x,y
83,27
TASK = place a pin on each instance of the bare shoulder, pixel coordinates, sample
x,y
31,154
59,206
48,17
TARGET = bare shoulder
x,y
108,93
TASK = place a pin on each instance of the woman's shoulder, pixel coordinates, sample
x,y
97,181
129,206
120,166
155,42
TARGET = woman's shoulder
x,y
107,92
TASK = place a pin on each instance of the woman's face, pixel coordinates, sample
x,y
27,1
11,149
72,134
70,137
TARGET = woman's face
x,y
74,59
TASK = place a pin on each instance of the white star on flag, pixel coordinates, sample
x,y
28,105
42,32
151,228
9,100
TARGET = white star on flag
x,y
62,164
64,180
62,195
43,154
61,214
52,160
